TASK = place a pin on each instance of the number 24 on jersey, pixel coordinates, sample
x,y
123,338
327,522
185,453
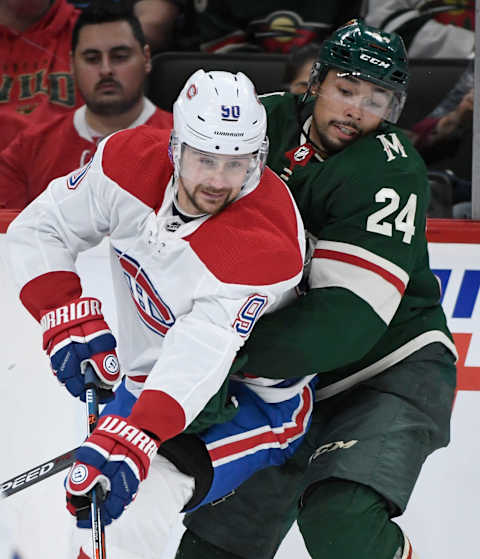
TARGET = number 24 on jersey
x,y
385,219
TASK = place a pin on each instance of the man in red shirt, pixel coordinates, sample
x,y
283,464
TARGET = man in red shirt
x,y
35,38
110,62
10,125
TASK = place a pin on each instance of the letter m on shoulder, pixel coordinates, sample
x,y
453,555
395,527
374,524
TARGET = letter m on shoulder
x,y
392,147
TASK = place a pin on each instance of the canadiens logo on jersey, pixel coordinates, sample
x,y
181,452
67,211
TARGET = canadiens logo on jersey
x,y
151,308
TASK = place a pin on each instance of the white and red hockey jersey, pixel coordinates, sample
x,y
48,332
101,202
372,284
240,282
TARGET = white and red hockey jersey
x,y
187,295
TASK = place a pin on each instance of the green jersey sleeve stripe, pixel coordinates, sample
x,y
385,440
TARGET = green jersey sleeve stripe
x,y
383,266
361,263
363,273
382,297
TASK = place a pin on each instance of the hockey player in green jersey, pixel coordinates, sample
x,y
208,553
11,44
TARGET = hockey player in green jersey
x,y
370,323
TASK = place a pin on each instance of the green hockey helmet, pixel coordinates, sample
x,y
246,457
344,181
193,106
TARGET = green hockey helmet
x,y
369,54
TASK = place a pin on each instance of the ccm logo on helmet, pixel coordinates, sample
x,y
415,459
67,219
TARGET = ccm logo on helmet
x,y
374,60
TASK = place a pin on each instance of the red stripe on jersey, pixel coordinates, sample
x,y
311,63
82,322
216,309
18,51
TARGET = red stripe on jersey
x,y
268,437
361,263
157,413
255,238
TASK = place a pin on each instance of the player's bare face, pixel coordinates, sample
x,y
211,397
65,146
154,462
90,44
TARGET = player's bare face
x,y
346,109
110,67
209,182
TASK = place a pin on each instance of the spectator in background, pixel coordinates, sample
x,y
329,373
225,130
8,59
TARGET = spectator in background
x,y
442,128
430,29
110,63
35,37
264,25
298,68
445,131
157,18
11,124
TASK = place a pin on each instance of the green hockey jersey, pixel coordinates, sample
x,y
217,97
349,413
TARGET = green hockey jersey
x,y
372,297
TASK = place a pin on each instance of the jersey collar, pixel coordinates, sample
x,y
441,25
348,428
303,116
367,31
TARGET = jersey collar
x,y
304,136
85,132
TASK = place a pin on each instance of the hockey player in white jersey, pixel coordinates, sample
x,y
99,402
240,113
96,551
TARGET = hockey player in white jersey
x,y
204,240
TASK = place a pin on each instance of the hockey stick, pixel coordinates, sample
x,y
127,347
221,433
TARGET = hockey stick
x,y
64,461
38,473
98,529
34,475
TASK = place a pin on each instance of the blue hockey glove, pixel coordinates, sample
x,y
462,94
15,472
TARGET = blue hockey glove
x,y
117,455
76,334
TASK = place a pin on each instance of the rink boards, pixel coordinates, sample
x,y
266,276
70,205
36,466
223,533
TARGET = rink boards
x,y
442,516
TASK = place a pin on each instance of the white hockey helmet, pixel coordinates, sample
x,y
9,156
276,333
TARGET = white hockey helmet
x,y
219,113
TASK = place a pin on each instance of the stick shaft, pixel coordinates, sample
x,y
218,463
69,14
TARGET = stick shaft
x,y
98,529
38,473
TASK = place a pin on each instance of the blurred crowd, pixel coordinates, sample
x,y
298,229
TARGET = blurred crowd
x,y
76,71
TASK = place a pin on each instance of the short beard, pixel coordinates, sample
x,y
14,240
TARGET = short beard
x,y
191,197
115,107
330,147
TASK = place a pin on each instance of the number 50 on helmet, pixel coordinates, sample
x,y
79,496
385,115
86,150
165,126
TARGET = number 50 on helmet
x,y
219,113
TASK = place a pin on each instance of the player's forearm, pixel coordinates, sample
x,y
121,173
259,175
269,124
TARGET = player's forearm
x,y
44,270
325,330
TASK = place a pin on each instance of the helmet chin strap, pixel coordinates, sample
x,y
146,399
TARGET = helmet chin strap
x,y
300,106
309,138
